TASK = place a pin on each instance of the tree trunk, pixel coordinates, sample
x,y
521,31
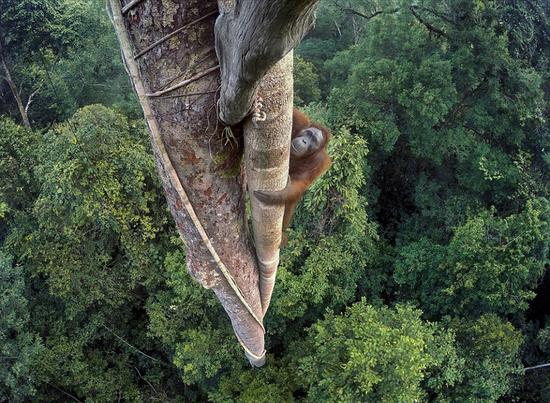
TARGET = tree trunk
x,y
267,150
168,48
13,88
192,155
249,40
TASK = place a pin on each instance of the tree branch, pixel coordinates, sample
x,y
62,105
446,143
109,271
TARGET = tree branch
x,y
64,392
537,367
429,26
13,88
437,14
29,100
135,348
359,14
353,11
251,39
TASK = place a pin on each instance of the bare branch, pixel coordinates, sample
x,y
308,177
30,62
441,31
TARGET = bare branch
x,y
437,14
367,17
429,26
537,367
13,88
134,347
29,100
64,392
337,28
147,381
349,10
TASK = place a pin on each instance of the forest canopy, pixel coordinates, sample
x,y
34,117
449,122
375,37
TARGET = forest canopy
x,y
416,267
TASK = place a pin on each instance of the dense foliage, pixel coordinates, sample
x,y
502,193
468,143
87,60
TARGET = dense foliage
x,y
416,269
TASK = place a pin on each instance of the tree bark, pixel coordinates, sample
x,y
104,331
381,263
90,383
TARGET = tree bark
x,y
191,153
13,88
251,39
267,150
168,48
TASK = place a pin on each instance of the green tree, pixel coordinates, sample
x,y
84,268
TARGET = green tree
x,y
490,348
58,55
18,157
18,345
452,107
94,243
379,355
491,265
306,82
97,209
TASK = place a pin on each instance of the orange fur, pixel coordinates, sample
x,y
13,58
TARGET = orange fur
x,y
302,171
